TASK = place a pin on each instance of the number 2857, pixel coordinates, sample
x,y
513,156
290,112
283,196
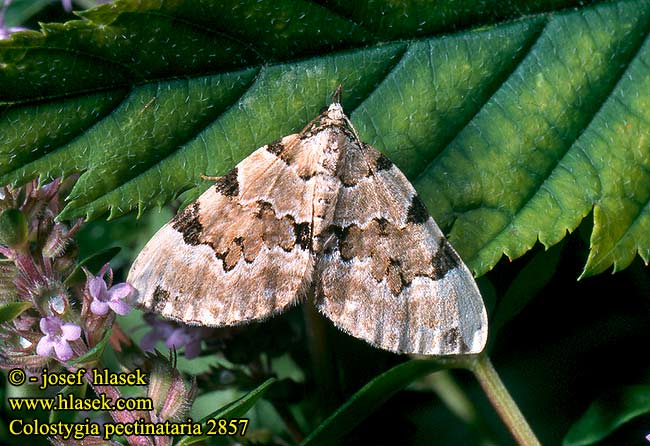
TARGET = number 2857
x,y
234,426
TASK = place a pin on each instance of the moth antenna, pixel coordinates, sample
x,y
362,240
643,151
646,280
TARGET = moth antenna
x,y
336,97
353,130
311,123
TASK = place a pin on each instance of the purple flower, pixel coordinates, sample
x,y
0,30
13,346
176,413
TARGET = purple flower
x,y
175,336
57,337
105,298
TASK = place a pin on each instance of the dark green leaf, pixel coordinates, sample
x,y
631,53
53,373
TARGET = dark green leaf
x,y
13,227
235,409
367,400
10,311
21,10
607,413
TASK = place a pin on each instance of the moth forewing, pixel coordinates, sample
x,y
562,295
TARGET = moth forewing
x,y
317,210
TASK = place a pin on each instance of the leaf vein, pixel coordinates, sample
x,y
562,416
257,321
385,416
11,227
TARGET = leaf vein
x,y
496,87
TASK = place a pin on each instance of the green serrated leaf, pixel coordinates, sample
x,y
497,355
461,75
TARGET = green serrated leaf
x,y
10,311
514,119
366,400
607,414
93,263
234,409
538,156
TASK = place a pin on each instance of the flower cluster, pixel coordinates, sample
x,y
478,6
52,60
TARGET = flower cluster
x,y
55,310
40,281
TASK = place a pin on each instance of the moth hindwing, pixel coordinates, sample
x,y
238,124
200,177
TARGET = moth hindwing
x,y
318,210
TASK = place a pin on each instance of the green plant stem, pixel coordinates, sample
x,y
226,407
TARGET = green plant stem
x,y
502,401
322,361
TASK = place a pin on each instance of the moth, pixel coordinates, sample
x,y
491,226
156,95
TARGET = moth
x,y
317,213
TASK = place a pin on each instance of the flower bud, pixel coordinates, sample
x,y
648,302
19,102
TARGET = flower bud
x,y
56,241
171,394
13,228
68,260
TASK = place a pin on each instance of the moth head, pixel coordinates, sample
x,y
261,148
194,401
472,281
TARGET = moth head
x,y
334,113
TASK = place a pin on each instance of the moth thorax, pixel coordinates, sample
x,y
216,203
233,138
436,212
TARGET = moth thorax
x,y
331,147
325,197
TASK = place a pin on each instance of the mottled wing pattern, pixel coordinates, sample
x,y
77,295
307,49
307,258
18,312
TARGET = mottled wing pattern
x,y
317,209
241,251
386,273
